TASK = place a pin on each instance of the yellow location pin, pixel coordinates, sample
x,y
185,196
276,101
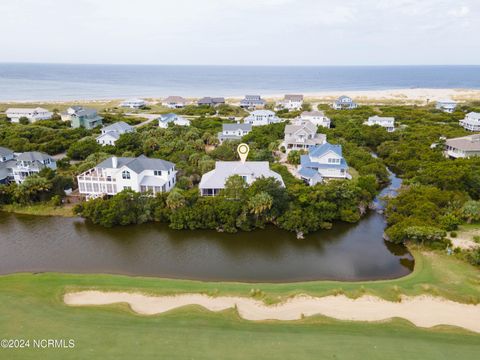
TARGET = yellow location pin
x,y
243,150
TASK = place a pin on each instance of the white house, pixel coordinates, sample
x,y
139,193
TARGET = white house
x,y
302,136
323,162
463,147
447,106
234,131
140,174
387,122
133,103
175,119
344,103
33,115
252,102
174,102
214,181
315,117
261,117
471,122
111,133
29,163
290,102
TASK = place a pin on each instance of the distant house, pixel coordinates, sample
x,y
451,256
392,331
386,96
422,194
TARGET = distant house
x,y
471,122
325,160
315,117
302,136
234,131
140,174
133,103
290,102
174,102
82,117
211,101
214,181
261,117
29,163
252,102
7,162
33,115
111,133
344,103
171,118
463,147
387,122
447,106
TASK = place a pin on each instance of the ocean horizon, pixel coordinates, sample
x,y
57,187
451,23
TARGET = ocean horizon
x,y
64,82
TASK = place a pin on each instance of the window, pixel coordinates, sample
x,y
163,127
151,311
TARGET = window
x,y
157,172
127,188
333,161
125,174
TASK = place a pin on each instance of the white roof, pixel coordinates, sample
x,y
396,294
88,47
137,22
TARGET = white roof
x,y
37,109
262,113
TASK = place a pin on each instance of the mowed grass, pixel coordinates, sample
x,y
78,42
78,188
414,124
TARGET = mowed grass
x,y
32,308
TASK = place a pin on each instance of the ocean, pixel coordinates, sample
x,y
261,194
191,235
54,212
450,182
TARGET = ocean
x,y
25,82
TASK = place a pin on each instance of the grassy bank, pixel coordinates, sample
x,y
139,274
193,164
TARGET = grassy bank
x,y
32,307
40,209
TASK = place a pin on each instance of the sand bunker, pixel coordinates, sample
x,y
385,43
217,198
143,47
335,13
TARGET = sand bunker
x,y
423,311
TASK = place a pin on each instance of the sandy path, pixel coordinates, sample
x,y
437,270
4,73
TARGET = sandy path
x,y
423,311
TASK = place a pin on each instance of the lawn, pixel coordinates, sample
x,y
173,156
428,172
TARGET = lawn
x,y
32,308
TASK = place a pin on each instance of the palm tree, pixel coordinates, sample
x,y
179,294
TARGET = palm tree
x,y
260,203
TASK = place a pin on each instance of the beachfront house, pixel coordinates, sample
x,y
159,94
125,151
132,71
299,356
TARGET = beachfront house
x,y
471,122
447,106
386,122
211,101
323,162
214,181
115,174
133,103
261,117
290,102
252,102
234,131
463,147
317,118
302,136
82,117
6,164
344,103
111,133
171,118
29,163
32,114
174,102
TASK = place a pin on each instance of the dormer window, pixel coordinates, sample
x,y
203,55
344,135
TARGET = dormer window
x,y
157,172
126,174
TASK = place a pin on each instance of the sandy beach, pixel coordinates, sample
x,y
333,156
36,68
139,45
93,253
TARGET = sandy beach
x,y
422,311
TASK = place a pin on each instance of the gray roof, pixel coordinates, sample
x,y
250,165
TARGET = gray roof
x,y
174,100
5,152
312,113
34,156
233,127
466,143
120,127
474,115
138,164
292,97
211,100
307,126
113,134
81,111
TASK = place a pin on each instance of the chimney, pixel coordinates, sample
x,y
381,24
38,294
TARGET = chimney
x,y
114,162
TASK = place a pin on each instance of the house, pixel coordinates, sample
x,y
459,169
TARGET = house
x,y
133,103
211,101
234,131
7,162
252,102
447,106
214,181
175,119
261,117
315,117
82,117
33,115
111,133
140,174
174,102
5,154
386,122
290,102
29,163
344,103
471,122
326,160
463,147
302,136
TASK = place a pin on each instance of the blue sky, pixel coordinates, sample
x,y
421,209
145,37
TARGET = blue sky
x,y
246,32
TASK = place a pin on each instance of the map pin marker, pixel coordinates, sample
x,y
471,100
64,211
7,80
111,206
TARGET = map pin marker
x,y
243,150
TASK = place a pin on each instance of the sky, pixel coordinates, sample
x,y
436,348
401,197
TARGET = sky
x,y
241,32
